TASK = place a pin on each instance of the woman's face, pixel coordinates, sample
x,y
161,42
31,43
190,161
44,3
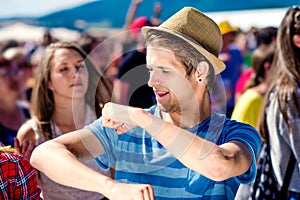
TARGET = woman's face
x,y
68,74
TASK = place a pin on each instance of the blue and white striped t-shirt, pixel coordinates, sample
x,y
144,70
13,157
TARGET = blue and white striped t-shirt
x,y
139,158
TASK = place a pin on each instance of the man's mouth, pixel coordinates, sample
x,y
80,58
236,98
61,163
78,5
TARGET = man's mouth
x,y
161,94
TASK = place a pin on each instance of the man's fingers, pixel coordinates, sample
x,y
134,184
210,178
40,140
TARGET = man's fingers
x,y
145,193
109,123
151,192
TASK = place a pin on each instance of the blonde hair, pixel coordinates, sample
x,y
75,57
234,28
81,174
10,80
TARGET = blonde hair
x,y
8,149
42,101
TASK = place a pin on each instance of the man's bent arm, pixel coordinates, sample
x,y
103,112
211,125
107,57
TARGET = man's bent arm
x,y
213,161
59,160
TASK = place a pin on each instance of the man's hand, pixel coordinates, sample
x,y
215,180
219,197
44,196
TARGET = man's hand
x,y
132,192
119,117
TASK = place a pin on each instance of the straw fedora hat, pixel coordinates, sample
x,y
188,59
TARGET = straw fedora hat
x,y
197,29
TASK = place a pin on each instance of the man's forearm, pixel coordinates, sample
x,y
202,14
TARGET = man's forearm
x,y
203,156
59,164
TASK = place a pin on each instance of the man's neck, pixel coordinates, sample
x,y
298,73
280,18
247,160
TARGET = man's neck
x,y
186,119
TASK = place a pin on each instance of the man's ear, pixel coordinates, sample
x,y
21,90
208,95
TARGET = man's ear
x,y
202,70
296,40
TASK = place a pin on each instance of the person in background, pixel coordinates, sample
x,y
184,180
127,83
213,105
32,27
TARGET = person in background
x,y
233,59
177,149
241,41
13,113
130,87
17,178
21,57
281,112
46,40
68,94
247,109
8,44
133,24
34,61
265,38
128,41
155,19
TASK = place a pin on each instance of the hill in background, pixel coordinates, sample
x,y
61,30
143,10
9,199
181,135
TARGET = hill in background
x,y
111,13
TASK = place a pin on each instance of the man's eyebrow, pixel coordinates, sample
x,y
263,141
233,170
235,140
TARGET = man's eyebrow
x,y
157,66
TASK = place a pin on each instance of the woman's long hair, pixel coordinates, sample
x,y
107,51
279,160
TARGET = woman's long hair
x,y
259,58
42,101
286,68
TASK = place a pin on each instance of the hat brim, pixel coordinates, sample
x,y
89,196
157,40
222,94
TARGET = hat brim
x,y
217,64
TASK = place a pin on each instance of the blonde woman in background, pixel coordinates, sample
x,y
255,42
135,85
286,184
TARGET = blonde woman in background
x,y
68,94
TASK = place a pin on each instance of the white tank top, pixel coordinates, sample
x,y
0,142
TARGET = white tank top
x,y
54,191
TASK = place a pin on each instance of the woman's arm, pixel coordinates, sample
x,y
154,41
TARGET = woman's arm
x,y
25,142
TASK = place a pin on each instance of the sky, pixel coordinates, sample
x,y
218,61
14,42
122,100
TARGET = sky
x,y
31,8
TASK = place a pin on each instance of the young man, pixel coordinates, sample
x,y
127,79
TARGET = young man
x,y
177,149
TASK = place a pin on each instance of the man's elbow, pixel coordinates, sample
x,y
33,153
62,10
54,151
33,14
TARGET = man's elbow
x,y
218,173
225,166
37,156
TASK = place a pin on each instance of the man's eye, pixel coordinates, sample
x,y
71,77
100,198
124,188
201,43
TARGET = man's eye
x,y
165,71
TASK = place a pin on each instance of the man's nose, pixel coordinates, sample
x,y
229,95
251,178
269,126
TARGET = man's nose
x,y
153,79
